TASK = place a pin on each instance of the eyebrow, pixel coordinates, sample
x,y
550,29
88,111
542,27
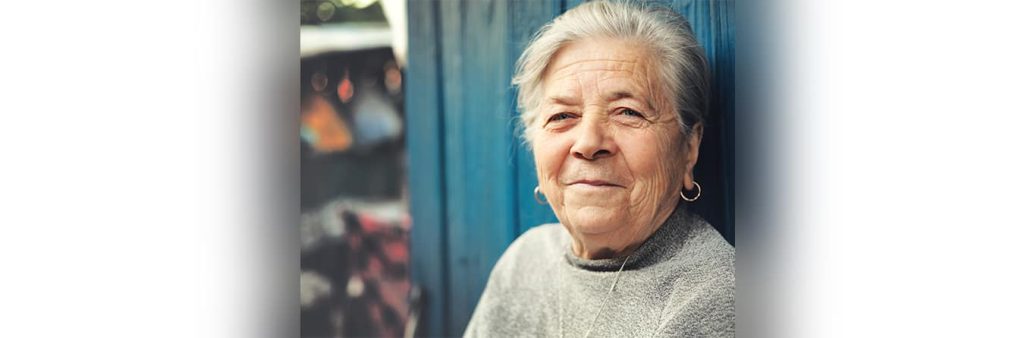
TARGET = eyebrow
x,y
564,100
614,96
621,94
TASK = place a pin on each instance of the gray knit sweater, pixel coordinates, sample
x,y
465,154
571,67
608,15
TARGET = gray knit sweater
x,y
679,283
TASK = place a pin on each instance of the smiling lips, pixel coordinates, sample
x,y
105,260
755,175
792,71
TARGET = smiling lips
x,y
594,183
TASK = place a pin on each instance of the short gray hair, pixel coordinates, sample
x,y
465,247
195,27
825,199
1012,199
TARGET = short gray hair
x,y
679,61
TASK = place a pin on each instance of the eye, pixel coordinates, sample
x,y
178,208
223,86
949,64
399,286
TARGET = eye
x,y
559,117
631,112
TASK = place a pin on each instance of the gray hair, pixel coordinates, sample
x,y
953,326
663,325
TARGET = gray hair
x,y
679,62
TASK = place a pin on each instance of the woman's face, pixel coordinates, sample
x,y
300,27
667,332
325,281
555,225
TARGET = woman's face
x,y
610,155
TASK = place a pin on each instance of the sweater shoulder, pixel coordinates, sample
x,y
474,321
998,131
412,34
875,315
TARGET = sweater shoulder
x,y
519,274
530,249
704,249
702,302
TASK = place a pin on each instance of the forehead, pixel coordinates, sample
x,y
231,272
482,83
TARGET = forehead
x,y
599,59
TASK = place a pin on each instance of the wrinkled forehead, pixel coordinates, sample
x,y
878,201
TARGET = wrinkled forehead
x,y
607,66
617,67
615,57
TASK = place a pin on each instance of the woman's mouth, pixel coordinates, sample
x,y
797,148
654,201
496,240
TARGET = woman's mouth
x,y
595,183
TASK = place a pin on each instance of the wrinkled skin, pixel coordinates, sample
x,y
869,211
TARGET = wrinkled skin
x,y
611,157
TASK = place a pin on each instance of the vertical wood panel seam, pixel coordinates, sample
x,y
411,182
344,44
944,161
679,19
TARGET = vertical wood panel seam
x,y
442,165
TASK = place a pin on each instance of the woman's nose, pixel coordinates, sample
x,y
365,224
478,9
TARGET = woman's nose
x,y
593,141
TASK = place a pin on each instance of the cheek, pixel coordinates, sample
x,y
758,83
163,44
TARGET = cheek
x,y
549,155
655,163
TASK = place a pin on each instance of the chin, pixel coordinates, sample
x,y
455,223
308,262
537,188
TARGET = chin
x,y
596,220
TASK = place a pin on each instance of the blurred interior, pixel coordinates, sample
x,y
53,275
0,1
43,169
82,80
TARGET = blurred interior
x,y
355,223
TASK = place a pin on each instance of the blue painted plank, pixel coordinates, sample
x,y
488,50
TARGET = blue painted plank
x,y
725,75
479,176
454,143
569,4
426,184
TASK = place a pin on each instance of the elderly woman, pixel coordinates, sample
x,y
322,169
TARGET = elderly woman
x,y
613,97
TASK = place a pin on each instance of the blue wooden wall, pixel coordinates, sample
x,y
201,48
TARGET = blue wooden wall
x,y
471,179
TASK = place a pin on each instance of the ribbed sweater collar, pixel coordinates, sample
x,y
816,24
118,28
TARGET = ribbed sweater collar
x,y
669,237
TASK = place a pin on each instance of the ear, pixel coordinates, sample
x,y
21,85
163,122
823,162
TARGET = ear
x,y
692,152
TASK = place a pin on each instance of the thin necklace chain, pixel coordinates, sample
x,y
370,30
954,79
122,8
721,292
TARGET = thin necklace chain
x,y
604,303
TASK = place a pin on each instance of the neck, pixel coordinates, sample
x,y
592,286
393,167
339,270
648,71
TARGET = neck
x,y
615,244
598,251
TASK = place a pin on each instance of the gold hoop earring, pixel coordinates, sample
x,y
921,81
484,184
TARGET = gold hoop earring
x,y
536,196
694,197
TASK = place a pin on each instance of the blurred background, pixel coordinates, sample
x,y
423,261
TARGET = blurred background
x,y
354,226
413,177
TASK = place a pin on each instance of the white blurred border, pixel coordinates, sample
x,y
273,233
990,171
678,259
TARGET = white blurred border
x,y
149,185
903,130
